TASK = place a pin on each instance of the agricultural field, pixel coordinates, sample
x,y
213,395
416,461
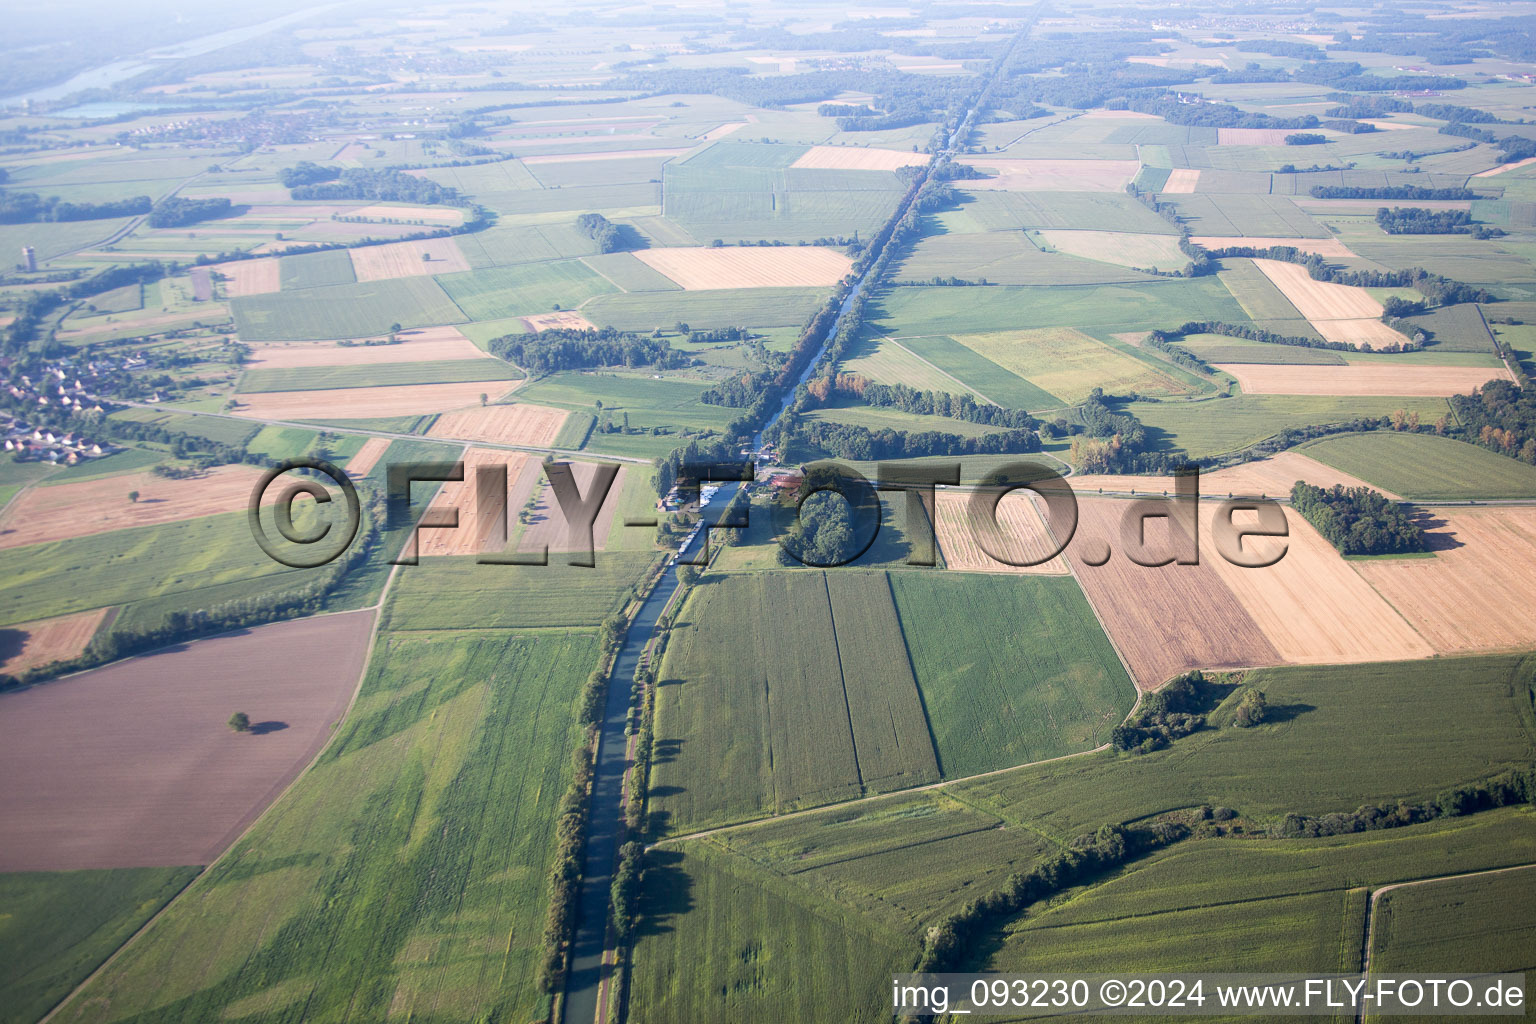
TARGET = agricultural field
x,y
355,403
422,345
1216,426
731,307
705,269
344,310
669,403
1373,379
1158,252
451,593
377,375
1487,923
887,361
1010,257
501,292
1422,467
1068,364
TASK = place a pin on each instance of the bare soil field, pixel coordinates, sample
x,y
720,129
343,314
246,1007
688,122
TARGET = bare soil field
x,y
405,259
367,403
1053,175
623,154
698,269
532,425
367,457
1312,605
1020,533
423,344
1476,593
1372,379
62,511
1505,167
567,321
1252,136
132,765
1271,477
430,214
547,525
29,645
479,528
249,277
1164,620
858,158
1330,247
1182,181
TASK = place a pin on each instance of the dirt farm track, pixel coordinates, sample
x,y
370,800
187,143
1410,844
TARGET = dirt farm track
x,y
132,765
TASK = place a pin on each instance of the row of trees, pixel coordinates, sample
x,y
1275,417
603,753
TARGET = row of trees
x,y
563,348
1517,786
922,403
176,212
1439,289
1357,520
1414,192
31,208
849,441
386,185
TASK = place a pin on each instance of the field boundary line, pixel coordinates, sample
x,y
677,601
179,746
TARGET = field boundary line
x,y
942,372
357,689
842,679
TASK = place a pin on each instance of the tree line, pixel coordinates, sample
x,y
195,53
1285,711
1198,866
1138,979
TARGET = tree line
x,y
176,212
1357,520
565,348
858,443
1501,417
31,208
386,185
1416,192
1410,220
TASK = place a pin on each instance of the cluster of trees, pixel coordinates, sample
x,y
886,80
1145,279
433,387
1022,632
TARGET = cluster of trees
x,y
1511,147
602,231
1305,139
1501,417
307,172
562,348
1517,786
921,403
1176,710
695,452
848,441
1212,115
824,533
1417,192
176,212
1409,220
1357,520
1251,709
385,186
31,208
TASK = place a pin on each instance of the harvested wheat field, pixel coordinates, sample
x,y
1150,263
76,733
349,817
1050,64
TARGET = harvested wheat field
x,y
1506,167
698,269
424,344
1053,175
1318,300
1163,620
367,457
29,645
547,526
1252,136
1368,379
132,765
722,131
1020,533
1368,332
61,511
1181,181
858,158
430,214
1271,477
562,321
1311,605
366,403
1476,593
1330,247
248,277
1125,248
405,259
482,526
533,425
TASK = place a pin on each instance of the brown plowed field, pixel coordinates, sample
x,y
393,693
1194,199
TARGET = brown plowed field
x,y
1368,379
132,765
1053,175
1182,181
249,277
699,269
29,645
548,526
1021,534
404,259
367,456
421,345
1164,620
1330,247
1476,593
533,425
1271,477
365,403
858,158
478,526
62,511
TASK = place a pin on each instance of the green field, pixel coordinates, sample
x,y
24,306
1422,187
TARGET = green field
x,y
58,926
1215,426
1486,923
1425,467
316,269
1004,257
119,300
372,375
740,307
1218,348
1012,668
499,292
980,373
877,418
344,311
887,361
1458,328
1257,215
1255,292
1166,303
988,210
625,272
670,402
458,593
510,245
1068,364
426,828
